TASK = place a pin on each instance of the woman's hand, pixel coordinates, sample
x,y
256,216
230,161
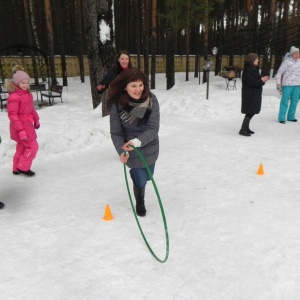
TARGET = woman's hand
x,y
124,157
100,87
127,147
134,142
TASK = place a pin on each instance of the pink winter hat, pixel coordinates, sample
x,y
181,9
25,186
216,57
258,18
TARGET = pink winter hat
x,y
20,76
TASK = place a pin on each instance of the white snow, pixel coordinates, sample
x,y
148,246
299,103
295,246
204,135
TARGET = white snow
x,y
234,235
104,31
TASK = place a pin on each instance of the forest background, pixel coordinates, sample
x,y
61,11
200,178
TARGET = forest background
x,y
146,28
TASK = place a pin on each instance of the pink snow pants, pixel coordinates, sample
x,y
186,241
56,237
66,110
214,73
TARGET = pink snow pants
x,y
25,153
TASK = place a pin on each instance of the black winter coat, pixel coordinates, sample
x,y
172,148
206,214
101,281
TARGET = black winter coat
x,y
251,89
111,74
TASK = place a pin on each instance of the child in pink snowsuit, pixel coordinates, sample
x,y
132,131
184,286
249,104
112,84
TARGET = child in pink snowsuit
x,y
23,122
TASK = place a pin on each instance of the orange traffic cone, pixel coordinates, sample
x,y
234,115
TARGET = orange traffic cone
x,y
107,215
260,170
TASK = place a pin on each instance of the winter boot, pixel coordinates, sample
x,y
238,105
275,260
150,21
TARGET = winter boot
x,y
1,205
245,127
248,129
27,173
139,194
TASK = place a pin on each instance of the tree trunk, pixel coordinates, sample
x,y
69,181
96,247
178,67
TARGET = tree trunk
x,y
205,38
60,34
27,21
91,33
49,24
196,72
106,45
267,59
138,34
30,39
145,9
153,44
187,41
78,9
170,70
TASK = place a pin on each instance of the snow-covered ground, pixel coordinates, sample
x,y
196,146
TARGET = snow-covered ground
x,y
234,235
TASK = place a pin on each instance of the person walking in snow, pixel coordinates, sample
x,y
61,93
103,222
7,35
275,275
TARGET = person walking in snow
x,y
288,84
135,120
24,120
252,83
1,203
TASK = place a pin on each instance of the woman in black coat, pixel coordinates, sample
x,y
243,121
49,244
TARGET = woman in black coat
x,y
122,63
252,83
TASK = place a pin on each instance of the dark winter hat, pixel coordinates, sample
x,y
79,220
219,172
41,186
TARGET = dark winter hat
x,y
251,57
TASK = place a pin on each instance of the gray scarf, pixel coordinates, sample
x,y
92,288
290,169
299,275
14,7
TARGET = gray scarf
x,y
135,110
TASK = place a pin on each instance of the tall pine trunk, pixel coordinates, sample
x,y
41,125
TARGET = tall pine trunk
x,y
170,69
60,34
49,24
145,9
91,33
187,40
153,43
107,49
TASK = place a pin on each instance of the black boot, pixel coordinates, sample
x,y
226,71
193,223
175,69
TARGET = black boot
x,y
27,173
139,195
245,127
1,205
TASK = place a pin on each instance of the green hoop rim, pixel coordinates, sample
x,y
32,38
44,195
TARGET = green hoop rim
x,y
160,205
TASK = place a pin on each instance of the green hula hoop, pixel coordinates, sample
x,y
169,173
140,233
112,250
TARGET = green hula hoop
x,y
160,205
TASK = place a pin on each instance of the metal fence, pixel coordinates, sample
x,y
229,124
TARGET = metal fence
x,y
72,64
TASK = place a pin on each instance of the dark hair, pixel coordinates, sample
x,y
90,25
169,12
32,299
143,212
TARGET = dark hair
x,y
251,57
117,92
117,65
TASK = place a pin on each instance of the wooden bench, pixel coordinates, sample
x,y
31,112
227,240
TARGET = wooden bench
x,y
37,88
55,91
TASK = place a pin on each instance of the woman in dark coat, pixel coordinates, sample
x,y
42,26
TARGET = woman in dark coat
x,y
252,83
134,120
122,63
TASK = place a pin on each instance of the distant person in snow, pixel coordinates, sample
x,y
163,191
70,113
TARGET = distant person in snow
x,y
252,83
134,120
288,84
24,120
122,63
1,204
